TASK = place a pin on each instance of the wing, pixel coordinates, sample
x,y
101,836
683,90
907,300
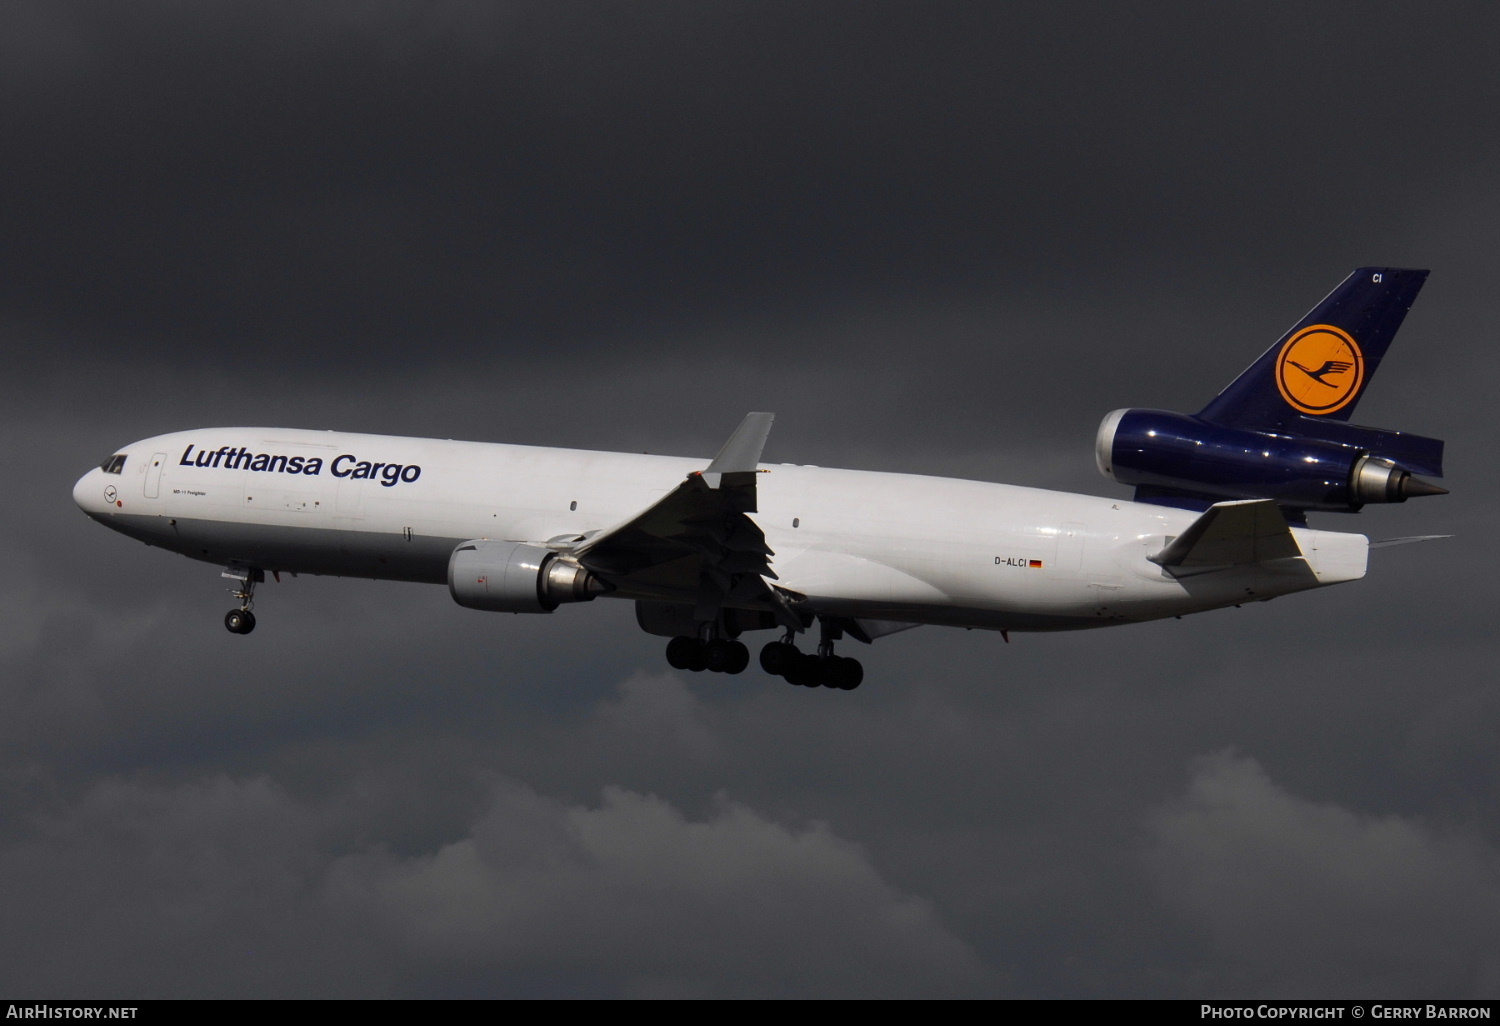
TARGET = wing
x,y
695,543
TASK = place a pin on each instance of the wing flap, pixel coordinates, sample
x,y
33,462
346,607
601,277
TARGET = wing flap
x,y
695,544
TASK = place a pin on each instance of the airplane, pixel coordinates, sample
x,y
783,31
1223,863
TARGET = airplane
x,y
709,551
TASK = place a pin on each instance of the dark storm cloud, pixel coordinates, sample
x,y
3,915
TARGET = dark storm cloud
x,y
268,194
934,238
568,173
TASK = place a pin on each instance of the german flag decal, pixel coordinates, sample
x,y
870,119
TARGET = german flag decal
x,y
1019,561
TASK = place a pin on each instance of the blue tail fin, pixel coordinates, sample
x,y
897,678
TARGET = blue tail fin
x,y
1320,368
1281,430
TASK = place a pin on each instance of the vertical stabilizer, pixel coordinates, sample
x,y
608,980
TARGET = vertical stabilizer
x,y
1321,366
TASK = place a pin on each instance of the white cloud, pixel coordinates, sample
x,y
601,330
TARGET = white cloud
x,y
233,887
1300,899
633,891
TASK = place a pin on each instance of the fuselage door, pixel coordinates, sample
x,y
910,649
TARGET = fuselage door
x,y
349,498
1070,549
153,474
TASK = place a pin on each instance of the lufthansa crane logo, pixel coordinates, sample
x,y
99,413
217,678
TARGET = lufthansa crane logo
x,y
1320,370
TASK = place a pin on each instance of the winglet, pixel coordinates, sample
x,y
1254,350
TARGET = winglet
x,y
741,453
1231,534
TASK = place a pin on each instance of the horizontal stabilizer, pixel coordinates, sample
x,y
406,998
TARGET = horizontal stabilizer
x,y
1415,453
1231,534
1392,542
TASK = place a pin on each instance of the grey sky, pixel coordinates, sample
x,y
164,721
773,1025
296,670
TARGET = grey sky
x,y
936,238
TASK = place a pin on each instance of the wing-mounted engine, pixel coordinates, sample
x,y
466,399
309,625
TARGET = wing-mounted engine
x,y
1335,467
1281,429
513,577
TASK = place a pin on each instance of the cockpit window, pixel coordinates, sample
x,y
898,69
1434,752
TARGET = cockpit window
x,y
113,465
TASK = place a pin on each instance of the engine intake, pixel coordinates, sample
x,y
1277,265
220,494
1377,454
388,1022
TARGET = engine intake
x,y
513,577
1164,453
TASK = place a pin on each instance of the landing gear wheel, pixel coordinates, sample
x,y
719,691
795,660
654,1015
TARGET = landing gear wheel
x,y
843,673
804,672
723,655
777,657
239,621
684,653
717,655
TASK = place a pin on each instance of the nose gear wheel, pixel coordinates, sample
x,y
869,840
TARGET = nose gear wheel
x,y
239,621
242,620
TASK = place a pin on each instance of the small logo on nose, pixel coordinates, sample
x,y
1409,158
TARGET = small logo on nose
x,y
110,494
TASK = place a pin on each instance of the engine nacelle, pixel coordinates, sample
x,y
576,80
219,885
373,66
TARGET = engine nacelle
x,y
513,577
1172,453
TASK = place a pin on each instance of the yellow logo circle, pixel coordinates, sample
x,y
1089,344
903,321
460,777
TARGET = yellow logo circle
x,y
1320,370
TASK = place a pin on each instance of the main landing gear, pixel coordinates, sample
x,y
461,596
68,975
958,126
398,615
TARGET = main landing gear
x,y
781,658
241,620
717,655
825,670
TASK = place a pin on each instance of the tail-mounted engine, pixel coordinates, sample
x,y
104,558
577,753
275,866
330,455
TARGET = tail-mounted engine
x,y
512,577
1334,466
1281,429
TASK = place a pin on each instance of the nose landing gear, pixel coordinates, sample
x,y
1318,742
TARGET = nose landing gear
x,y
241,620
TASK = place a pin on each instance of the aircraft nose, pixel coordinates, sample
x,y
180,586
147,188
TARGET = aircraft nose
x,y
88,493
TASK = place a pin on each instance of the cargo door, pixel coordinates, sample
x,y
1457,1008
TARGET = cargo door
x,y
153,475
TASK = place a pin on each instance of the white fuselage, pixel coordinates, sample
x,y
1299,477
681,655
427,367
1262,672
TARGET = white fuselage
x,y
884,546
